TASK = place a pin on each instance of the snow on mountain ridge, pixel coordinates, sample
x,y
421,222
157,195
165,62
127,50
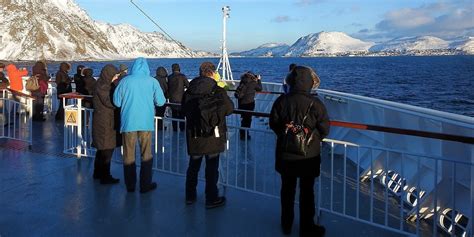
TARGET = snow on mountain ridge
x,y
411,43
324,43
61,30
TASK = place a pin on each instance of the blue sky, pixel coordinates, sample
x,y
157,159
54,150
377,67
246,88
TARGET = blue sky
x,y
198,23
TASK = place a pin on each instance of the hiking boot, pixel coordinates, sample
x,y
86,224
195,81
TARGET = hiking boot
x,y
109,180
148,188
220,201
313,230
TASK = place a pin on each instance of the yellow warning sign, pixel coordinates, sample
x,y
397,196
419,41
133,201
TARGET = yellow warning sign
x,y
71,118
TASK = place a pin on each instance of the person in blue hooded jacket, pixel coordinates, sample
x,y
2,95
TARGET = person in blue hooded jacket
x,y
137,95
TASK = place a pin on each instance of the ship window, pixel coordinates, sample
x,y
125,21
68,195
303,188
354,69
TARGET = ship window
x,y
446,222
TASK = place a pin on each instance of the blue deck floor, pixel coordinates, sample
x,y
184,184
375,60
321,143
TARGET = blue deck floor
x,y
44,193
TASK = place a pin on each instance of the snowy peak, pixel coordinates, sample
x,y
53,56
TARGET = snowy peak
x,y
61,30
327,43
465,44
407,44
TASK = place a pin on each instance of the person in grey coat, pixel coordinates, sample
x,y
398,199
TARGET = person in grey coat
x,y
106,122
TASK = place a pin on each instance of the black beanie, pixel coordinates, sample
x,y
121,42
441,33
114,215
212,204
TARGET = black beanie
x,y
175,67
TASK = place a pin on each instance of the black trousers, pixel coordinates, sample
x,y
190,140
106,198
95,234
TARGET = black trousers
x,y
38,105
177,114
102,163
288,191
212,176
160,112
60,112
246,121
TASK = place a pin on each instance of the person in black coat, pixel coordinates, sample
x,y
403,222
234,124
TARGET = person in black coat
x,y
89,85
245,93
63,85
106,122
291,109
177,83
79,79
205,145
162,77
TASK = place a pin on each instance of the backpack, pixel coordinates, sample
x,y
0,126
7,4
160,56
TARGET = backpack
x,y
204,116
296,137
32,83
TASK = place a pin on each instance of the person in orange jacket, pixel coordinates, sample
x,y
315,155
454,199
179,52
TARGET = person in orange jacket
x,y
15,75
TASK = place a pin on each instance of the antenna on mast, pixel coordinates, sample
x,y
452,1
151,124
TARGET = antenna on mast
x,y
224,64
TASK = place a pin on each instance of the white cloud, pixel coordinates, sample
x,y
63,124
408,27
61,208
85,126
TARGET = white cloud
x,y
444,19
283,19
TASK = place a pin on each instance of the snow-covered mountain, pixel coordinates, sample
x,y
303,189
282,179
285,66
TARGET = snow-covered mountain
x,y
465,44
407,44
266,50
61,30
327,43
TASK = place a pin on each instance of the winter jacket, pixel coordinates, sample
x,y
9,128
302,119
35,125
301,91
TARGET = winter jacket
x,y
177,82
247,89
162,77
89,85
40,70
198,88
89,82
15,77
63,81
293,107
137,95
4,82
105,122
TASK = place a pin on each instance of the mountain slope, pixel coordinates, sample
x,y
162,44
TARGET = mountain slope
x,y
327,43
465,44
61,30
407,44
266,50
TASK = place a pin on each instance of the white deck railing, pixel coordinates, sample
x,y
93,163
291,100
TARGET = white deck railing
x,y
16,112
405,192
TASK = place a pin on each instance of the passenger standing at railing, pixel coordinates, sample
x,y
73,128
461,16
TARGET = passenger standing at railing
x,y
162,77
15,75
300,122
79,79
245,93
123,72
41,72
137,95
177,84
206,106
63,85
105,123
89,84
4,82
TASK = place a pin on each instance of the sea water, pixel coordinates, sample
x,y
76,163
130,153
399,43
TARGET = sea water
x,y
444,83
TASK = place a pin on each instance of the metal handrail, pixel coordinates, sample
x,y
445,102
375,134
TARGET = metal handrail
x,y
368,127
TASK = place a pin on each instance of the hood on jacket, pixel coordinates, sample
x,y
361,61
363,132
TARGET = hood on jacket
x,y
107,74
161,72
248,77
11,68
64,67
79,69
201,86
88,72
302,79
140,67
40,68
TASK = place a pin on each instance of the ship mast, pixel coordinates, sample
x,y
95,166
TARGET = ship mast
x,y
224,64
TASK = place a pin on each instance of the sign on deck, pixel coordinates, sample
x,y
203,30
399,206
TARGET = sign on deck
x,y
71,118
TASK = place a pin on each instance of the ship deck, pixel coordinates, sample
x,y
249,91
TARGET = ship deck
x,y
46,193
